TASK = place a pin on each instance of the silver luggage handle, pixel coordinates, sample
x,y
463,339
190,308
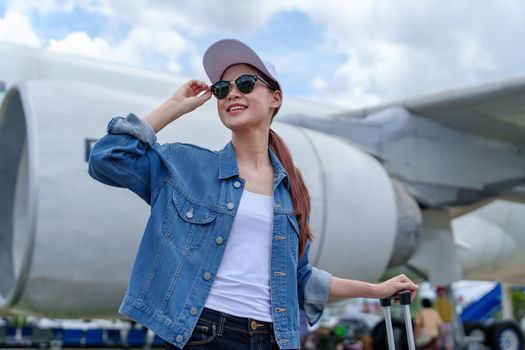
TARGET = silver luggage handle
x,y
405,298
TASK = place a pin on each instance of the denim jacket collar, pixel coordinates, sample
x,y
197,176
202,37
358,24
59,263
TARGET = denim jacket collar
x,y
227,162
228,165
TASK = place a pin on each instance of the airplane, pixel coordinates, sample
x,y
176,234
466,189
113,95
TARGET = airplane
x,y
429,186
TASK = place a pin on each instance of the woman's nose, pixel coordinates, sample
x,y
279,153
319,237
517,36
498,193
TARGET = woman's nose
x,y
234,92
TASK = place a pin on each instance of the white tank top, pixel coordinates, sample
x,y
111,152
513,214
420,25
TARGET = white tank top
x,y
242,284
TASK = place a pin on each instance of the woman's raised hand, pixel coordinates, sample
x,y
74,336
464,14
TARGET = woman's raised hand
x,y
192,95
188,97
397,284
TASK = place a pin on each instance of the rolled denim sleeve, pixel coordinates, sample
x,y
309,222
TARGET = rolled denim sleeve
x,y
313,288
134,126
129,156
316,294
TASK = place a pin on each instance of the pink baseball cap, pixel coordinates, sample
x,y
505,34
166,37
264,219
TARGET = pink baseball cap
x,y
227,52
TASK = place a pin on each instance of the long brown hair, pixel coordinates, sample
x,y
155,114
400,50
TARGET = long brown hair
x,y
298,190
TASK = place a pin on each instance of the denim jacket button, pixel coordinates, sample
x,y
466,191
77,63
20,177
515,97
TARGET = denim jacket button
x,y
193,311
237,184
179,338
207,276
189,213
230,205
219,240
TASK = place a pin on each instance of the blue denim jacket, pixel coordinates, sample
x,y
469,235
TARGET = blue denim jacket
x,y
194,193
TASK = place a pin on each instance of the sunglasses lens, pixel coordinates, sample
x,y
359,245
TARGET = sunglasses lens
x,y
220,89
245,83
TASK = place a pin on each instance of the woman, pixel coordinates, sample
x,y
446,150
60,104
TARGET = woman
x,y
427,325
223,263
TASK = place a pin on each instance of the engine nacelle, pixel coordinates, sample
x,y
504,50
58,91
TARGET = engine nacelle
x,y
67,242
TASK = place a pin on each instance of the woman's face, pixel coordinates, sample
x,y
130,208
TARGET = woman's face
x,y
240,112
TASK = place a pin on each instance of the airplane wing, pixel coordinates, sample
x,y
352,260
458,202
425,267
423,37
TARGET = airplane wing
x,y
469,142
495,110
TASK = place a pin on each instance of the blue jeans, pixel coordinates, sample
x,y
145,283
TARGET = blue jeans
x,y
220,331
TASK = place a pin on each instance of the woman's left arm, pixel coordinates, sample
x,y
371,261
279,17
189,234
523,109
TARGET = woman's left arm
x,y
343,288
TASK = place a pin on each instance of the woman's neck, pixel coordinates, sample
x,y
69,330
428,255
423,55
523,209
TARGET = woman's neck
x,y
251,149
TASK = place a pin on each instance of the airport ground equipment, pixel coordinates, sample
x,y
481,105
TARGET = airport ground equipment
x,y
478,322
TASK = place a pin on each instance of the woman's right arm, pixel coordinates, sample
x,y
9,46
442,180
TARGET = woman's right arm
x,y
187,98
129,155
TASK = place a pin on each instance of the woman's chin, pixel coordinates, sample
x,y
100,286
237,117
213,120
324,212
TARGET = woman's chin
x,y
242,125
237,125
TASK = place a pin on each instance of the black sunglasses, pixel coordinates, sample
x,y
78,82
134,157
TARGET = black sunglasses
x,y
245,84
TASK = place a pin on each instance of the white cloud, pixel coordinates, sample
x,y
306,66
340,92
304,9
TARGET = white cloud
x,y
42,6
319,83
473,54
156,48
391,50
45,7
197,17
153,48
385,50
16,27
80,43
152,42
405,48
200,17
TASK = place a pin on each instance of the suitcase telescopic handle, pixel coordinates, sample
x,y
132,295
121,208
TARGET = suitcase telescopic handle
x,y
405,299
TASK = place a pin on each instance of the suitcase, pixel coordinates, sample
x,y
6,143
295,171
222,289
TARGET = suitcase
x,y
405,300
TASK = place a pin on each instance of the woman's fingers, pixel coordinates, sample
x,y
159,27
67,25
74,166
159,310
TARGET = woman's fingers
x,y
201,91
192,95
407,284
400,283
198,86
204,97
190,89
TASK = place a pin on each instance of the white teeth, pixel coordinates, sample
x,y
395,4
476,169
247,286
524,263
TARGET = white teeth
x,y
236,108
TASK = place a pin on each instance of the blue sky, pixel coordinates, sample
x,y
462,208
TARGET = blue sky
x,y
352,53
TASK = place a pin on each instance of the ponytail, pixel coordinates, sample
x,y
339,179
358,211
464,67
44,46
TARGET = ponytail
x,y
298,190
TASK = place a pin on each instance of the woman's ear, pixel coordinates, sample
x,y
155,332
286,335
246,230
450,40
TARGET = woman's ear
x,y
277,99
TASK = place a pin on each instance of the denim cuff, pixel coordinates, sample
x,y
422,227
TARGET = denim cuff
x,y
316,293
134,126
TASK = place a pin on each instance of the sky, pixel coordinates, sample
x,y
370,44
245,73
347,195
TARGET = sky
x,y
351,53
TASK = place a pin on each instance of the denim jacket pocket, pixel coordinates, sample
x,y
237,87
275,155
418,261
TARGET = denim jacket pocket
x,y
188,226
193,213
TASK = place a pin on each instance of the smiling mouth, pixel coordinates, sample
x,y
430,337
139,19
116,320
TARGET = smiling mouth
x,y
236,108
